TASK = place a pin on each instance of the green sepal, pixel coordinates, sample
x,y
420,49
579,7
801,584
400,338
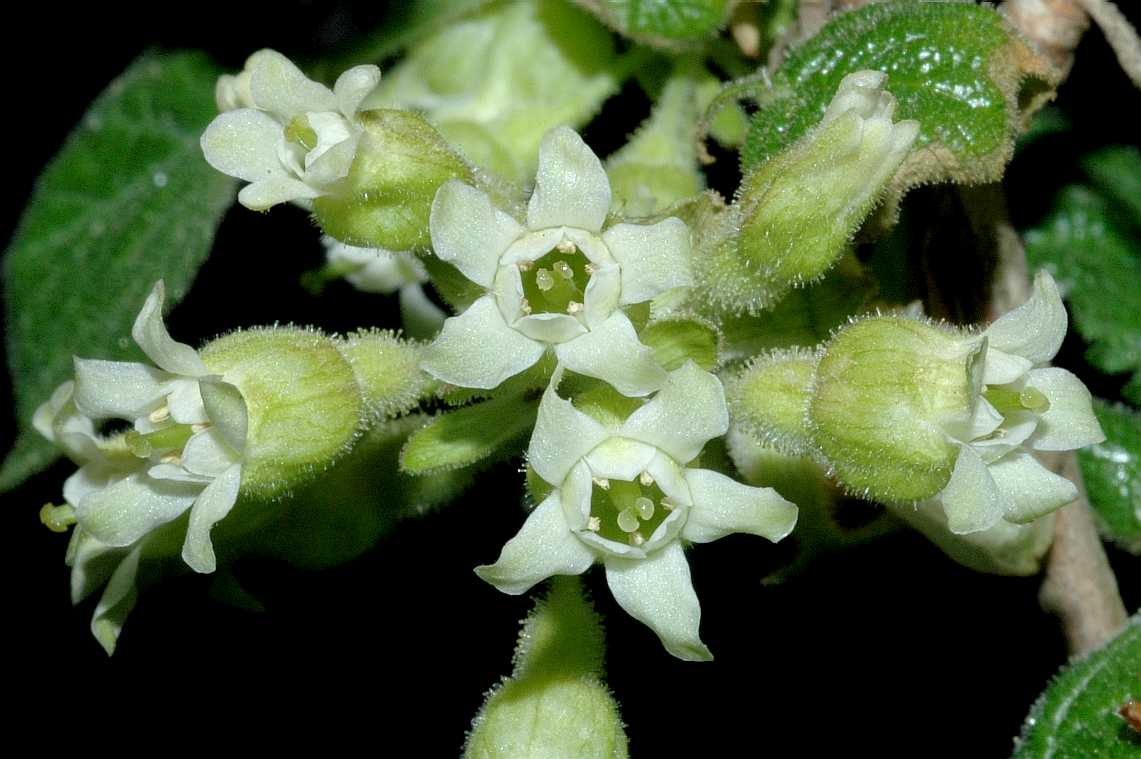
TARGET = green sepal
x,y
1079,714
1111,471
466,435
304,405
385,200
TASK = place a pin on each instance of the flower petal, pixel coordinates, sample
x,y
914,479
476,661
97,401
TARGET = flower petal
x,y
266,193
90,478
620,458
971,499
119,389
469,232
571,187
1035,329
227,411
1069,423
129,509
353,86
150,333
243,144
658,591
210,508
185,403
1003,368
116,602
722,505
550,328
332,164
1015,430
545,546
654,257
687,412
278,86
1031,489
601,296
478,349
562,436
612,353
92,564
208,453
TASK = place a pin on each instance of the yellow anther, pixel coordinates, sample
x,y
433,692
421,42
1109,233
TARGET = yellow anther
x,y
637,539
646,479
160,414
602,482
574,307
565,246
594,524
171,458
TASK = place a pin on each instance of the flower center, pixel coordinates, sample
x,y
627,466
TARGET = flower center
x,y
556,282
628,511
300,132
1007,401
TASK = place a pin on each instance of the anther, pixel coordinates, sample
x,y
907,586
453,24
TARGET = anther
x,y
637,539
524,307
646,479
668,503
565,246
160,414
525,265
602,482
574,307
594,524
200,427
171,458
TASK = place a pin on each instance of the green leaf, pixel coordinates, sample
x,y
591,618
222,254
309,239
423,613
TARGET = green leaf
x,y
1116,171
1077,717
467,435
1112,475
1097,263
957,68
127,200
669,24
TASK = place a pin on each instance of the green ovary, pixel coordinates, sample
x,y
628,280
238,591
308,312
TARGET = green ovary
x,y
556,283
1007,401
628,511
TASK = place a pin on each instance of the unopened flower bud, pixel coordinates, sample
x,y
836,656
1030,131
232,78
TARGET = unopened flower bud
x,y
770,398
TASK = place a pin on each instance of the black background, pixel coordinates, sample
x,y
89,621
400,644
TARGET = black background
x,y
890,649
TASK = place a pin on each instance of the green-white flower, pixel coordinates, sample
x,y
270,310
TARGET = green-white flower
x,y
624,497
1021,407
557,282
189,432
291,138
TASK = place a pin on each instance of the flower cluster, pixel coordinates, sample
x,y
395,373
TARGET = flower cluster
x,y
622,494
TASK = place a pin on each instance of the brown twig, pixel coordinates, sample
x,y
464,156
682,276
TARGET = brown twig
x,y
1080,587
1120,35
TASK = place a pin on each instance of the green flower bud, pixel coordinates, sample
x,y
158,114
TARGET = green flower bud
x,y
387,369
401,161
553,705
305,407
887,391
797,212
769,397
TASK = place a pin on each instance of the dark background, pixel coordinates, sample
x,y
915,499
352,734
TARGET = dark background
x,y
891,648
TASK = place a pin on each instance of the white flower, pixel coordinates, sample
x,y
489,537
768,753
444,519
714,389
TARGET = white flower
x,y
623,497
375,270
292,138
189,434
559,282
1019,407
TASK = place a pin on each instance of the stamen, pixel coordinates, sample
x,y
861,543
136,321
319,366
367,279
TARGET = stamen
x,y
200,427
637,539
590,268
574,307
602,482
565,246
628,520
668,503
160,414
646,479
57,518
544,279
525,307
594,524
645,507
171,458
525,265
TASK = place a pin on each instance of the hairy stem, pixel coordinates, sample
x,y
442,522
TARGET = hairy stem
x,y
1120,35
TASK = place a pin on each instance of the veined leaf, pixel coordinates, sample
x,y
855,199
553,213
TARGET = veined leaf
x,y
666,24
128,200
1112,475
